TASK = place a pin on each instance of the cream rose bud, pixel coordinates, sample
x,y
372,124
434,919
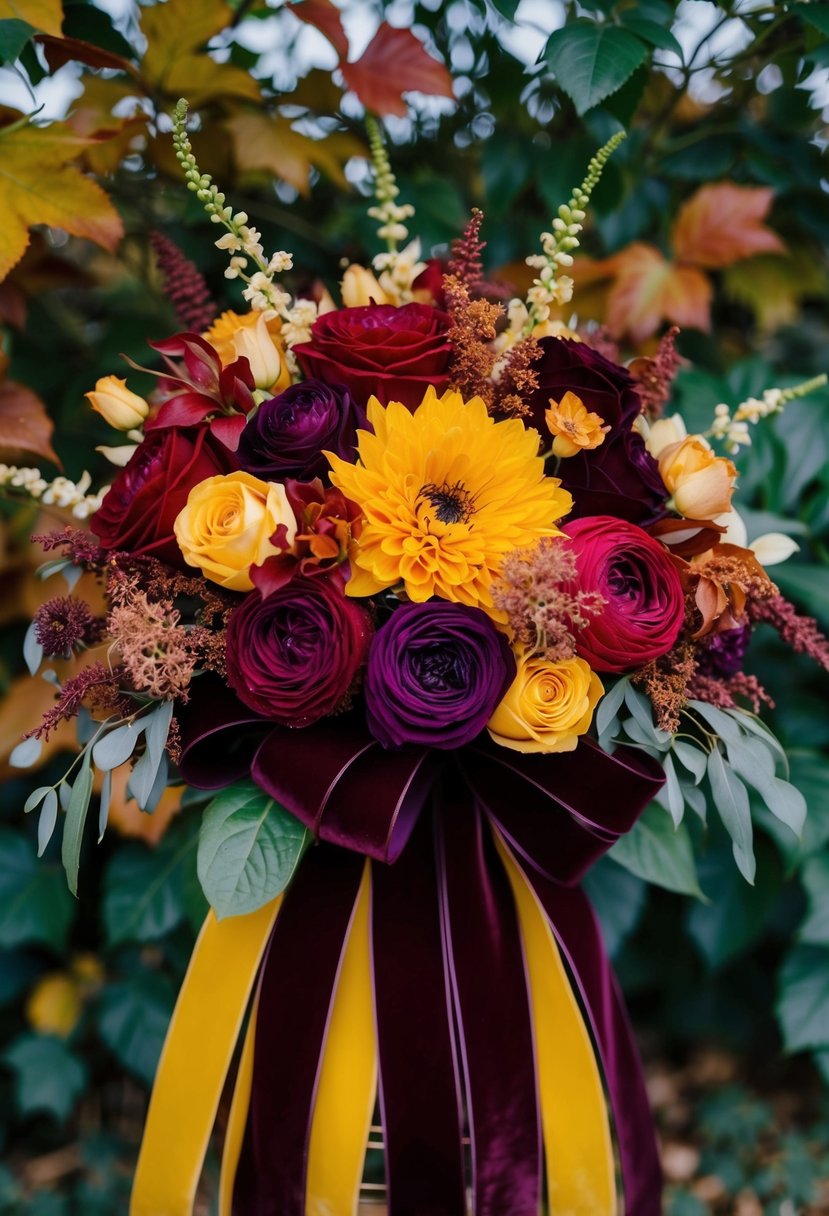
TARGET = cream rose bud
x,y
255,343
547,707
663,432
227,525
122,408
700,481
360,287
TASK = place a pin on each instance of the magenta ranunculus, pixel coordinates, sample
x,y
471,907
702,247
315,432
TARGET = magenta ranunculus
x,y
620,477
287,435
436,672
294,655
391,353
141,505
644,601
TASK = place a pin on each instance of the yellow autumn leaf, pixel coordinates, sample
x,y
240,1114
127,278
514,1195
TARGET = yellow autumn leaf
x,y
175,61
263,142
45,15
39,185
773,286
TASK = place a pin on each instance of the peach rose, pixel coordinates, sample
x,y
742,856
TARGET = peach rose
x,y
700,481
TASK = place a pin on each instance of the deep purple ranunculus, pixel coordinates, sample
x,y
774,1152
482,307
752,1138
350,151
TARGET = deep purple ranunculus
x,y
620,477
435,674
722,654
294,655
288,434
381,350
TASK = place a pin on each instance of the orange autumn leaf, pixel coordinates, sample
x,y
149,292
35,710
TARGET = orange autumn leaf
x,y
395,62
262,142
723,223
39,185
46,15
25,427
648,289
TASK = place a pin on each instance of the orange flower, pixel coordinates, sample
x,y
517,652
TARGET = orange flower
x,y
574,427
700,481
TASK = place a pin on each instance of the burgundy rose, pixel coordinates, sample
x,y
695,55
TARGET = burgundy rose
x,y
287,435
620,477
294,656
141,505
436,672
392,353
644,606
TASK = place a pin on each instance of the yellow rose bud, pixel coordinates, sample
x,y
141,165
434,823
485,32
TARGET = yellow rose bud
x,y
121,408
547,706
54,1005
255,343
360,287
227,525
700,481
221,333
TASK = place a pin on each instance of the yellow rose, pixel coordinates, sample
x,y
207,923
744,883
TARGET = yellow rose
x,y
359,287
222,336
700,481
227,525
547,706
118,405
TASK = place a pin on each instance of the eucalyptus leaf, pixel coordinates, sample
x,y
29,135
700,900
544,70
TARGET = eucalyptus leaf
x,y
46,822
74,823
658,852
249,847
721,723
35,797
32,650
691,757
72,575
696,800
64,794
642,710
116,746
103,808
786,803
672,792
610,705
732,802
26,753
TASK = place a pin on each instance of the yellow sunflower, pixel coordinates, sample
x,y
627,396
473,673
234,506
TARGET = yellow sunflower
x,y
445,493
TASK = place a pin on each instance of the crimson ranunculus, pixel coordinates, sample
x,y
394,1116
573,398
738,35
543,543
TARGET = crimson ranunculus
x,y
294,655
619,477
391,353
141,505
644,602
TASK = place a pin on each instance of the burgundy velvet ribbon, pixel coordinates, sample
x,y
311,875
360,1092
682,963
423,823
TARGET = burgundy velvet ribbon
x,y
559,814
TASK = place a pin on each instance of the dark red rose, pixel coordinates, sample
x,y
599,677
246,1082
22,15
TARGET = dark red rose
x,y
644,603
294,655
391,353
141,505
620,477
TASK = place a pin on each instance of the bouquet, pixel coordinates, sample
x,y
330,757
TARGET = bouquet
x,y
435,595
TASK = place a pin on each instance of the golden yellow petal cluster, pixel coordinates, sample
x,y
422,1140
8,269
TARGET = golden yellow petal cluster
x,y
445,491
574,428
547,707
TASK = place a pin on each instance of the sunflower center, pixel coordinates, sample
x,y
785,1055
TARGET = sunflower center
x,y
451,504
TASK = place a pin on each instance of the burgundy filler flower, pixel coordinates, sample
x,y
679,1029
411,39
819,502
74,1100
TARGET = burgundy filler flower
x,y
644,602
392,353
288,434
294,656
620,477
436,672
141,505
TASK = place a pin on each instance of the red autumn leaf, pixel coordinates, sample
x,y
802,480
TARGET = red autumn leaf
x,y
648,290
25,427
60,51
325,17
394,63
723,223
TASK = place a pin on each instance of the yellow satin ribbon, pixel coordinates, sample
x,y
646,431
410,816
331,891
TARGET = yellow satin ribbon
x,y
348,1078
195,1060
238,1117
581,1177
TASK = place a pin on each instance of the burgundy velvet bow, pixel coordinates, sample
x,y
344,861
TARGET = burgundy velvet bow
x,y
447,958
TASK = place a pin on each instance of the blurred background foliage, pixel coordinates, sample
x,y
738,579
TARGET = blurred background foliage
x,y
713,215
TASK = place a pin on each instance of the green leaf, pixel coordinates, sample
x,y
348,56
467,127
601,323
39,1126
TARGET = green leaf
x,y
808,586
610,704
249,847
815,928
46,822
74,823
144,890
48,1077
732,802
592,61
506,164
652,32
34,903
133,1017
32,649
691,757
670,796
116,746
817,15
659,853
737,914
803,1000
618,897
810,773
14,34
26,753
